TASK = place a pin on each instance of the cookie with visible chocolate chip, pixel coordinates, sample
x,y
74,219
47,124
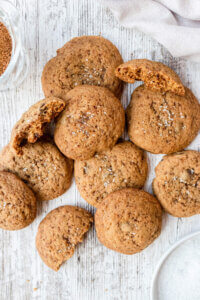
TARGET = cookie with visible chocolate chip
x,y
17,203
92,121
59,233
177,183
123,166
155,75
32,124
45,170
90,60
128,220
162,122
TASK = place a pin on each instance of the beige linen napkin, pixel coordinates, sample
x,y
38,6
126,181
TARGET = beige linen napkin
x,y
173,23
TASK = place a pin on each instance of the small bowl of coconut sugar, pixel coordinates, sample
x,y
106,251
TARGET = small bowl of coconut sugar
x,y
14,62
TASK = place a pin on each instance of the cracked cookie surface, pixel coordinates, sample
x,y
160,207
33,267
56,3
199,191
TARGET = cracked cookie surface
x,y
92,121
17,203
31,125
87,60
162,122
45,170
128,220
59,232
123,166
177,183
155,75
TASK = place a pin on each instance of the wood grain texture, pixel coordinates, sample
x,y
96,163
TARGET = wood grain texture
x,y
94,272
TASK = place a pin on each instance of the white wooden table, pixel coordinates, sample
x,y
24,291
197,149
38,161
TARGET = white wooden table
x,y
94,272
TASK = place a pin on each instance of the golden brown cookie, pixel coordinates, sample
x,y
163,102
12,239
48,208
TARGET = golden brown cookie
x,y
87,60
177,183
128,220
155,75
17,203
46,171
123,166
59,232
162,122
92,122
31,126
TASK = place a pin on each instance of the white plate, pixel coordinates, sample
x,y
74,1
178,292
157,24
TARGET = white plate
x,y
177,275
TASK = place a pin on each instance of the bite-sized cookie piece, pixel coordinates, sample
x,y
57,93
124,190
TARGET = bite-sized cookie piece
x,y
155,75
17,203
162,123
177,183
59,233
128,220
46,171
90,60
123,166
31,126
92,122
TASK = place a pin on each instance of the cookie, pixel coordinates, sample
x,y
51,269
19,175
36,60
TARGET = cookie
x,y
155,75
92,121
128,220
162,122
123,166
87,60
59,233
17,203
46,171
32,124
177,183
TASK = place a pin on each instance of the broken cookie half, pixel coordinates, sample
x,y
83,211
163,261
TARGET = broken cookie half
x,y
59,232
33,122
155,75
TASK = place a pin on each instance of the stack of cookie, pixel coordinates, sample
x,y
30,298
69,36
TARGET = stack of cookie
x,y
164,117
83,86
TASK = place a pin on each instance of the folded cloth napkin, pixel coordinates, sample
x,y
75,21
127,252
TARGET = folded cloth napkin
x,y
173,23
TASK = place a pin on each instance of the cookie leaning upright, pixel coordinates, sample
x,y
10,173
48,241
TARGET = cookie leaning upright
x,y
90,60
59,232
45,170
162,122
17,203
32,124
128,220
177,183
125,165
155,75
92,121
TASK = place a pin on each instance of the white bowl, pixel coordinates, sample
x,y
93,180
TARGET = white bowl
x,y
18,66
